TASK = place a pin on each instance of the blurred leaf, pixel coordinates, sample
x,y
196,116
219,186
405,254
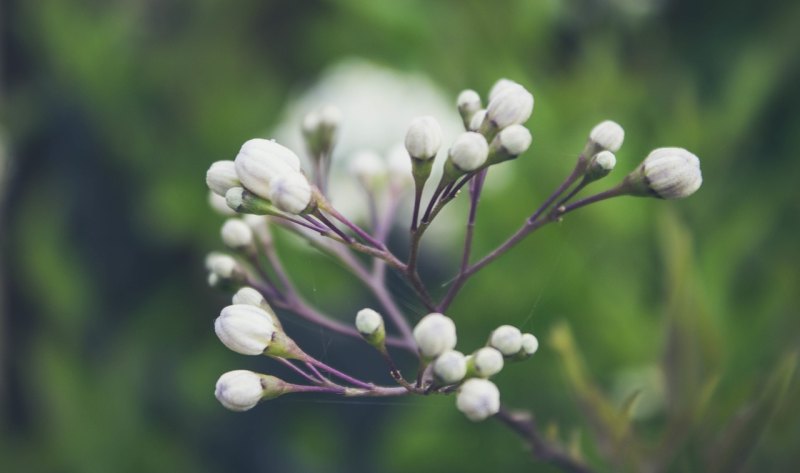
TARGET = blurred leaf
x,y
743,433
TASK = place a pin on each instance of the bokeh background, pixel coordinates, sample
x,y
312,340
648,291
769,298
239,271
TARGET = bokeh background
x,y
111,111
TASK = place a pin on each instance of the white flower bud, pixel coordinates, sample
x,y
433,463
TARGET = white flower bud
x,y
369,168
259,162
478,399
499,86
424,138
368,322
245,329
310,124
469,100
220,204
221,176
469,151
487,362
477,120
530,344
507,339
241,390
222,265
608,135
435,334
236,234
450,367
600,165
512,105
291,193
515,139
669,173
399,167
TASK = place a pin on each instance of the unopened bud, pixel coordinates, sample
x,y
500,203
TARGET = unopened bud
x,y
292,193
499,86
468,103
507,339
530,344
668,173
245,329
260,226
221,176
450,367
469,151
509,143
236,234
243,201
370,325
241,390
608,135
600,165
485,362
512,105
435,334
424,138
478,399
223,268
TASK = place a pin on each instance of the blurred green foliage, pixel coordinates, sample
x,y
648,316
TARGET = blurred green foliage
x,y
114,109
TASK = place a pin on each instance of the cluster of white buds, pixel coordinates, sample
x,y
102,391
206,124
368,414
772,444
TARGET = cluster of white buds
x,y
263,173
435,336
266,178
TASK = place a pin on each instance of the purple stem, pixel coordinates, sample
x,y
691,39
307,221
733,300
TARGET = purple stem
x,y
339,374
358,230
297,370
333,227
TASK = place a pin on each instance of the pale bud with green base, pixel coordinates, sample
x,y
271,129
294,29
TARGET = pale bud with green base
x,y
530,345
512,105
507,339
468,153
509,143
221,176
600,166
485,362
249,330
292,193
423,140
250,296
468,102
435,334
450,367
243,201
478,399
667,173
320,128
236,234
607,135
370,325
241,390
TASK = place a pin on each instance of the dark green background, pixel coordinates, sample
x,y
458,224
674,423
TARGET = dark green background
x,y
112,111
